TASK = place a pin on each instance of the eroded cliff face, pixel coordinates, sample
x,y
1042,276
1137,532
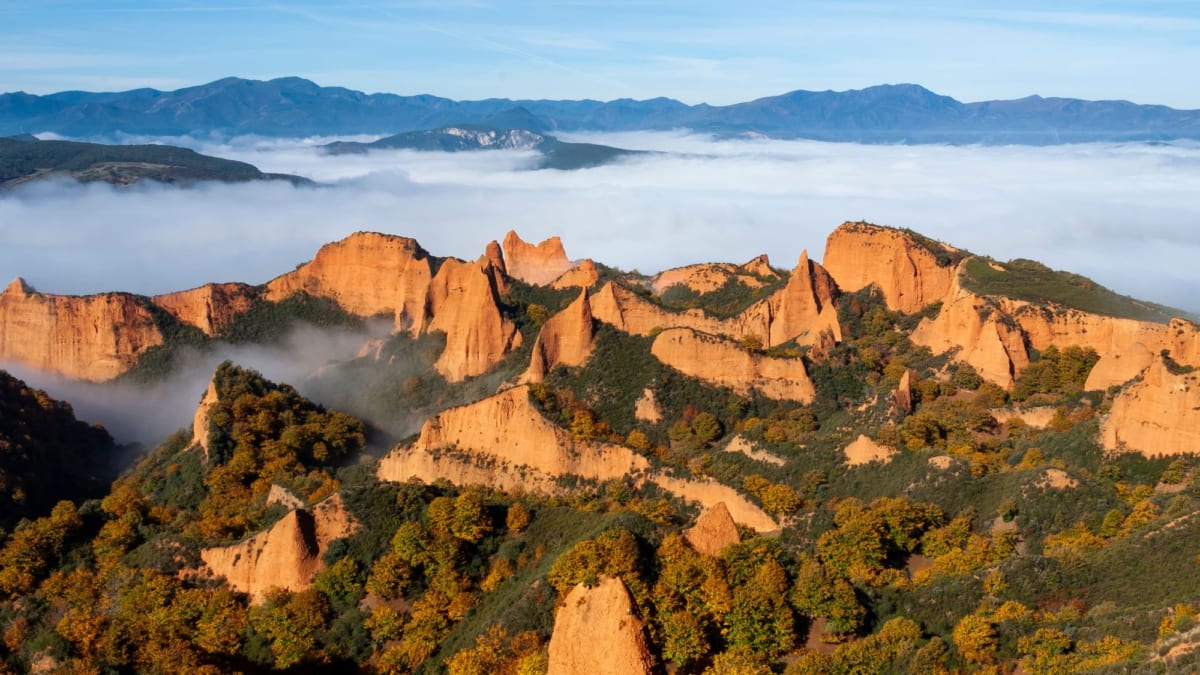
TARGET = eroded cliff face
x,y
583,275
288,555
92,337
597,631
981,334
907,273
567,338
464,303
709,493
201,418
505,432
504,442
713,532
627,311
803,310
366,274
724,363
1126,347
1158,415
708,277
534,264
210,307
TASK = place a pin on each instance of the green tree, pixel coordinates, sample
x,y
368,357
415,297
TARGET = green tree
x,y
517,518
706,427
975,639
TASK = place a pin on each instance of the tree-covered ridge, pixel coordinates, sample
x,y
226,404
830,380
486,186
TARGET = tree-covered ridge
x,y
45,453
27,158
1034,282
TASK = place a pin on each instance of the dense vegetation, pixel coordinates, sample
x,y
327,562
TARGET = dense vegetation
x,y
45,453
983,545
1034,282
25,158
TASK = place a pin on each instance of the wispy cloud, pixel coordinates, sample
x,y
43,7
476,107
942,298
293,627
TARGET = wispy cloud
x,y
567,42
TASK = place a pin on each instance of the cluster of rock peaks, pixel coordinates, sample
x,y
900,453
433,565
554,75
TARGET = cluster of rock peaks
x,y
367,274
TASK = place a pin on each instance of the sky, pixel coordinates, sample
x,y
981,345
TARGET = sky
x,y
715,52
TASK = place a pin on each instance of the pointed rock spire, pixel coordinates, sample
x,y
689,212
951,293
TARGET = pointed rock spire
x,y
714,530
567,338
597,631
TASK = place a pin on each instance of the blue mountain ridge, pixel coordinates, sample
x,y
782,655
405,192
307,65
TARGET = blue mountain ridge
x,y
293,106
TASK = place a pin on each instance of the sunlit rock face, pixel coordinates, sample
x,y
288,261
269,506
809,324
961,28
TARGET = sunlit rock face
x,y
92,337
538,264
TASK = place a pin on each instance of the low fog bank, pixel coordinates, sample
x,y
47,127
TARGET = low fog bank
x,y
148,413
1123,214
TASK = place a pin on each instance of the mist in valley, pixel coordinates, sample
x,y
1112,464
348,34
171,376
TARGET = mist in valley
x,y
1123,214
146,413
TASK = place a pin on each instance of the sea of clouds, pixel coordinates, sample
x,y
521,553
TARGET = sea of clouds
x,y
1125,215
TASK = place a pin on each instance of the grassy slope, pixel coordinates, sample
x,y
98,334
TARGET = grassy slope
x,y
1034,282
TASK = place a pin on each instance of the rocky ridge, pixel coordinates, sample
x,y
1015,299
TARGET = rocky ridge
x,y
287,556
566,338
1157,415
92,337
538,264
211,307
505,442
726,364
596,630
708,277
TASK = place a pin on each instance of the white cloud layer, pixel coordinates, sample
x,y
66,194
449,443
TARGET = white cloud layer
x,y
1125,215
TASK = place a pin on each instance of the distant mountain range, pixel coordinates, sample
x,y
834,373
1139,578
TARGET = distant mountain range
x,y
25,158
902,113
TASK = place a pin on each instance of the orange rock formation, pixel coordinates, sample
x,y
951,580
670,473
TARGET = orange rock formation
x,y
1126,347
464,303
367,274
902,398
714,530
908,274
200,420
504,442
709,493
501,434
1158,415
566,338
597,631
647,409
210,307
980,333
538,265
583,275
629,312
864,451
725,363
708,277
803,309
93,337
288,555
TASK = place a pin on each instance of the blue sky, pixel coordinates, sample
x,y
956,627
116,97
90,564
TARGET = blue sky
x,y
716,52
